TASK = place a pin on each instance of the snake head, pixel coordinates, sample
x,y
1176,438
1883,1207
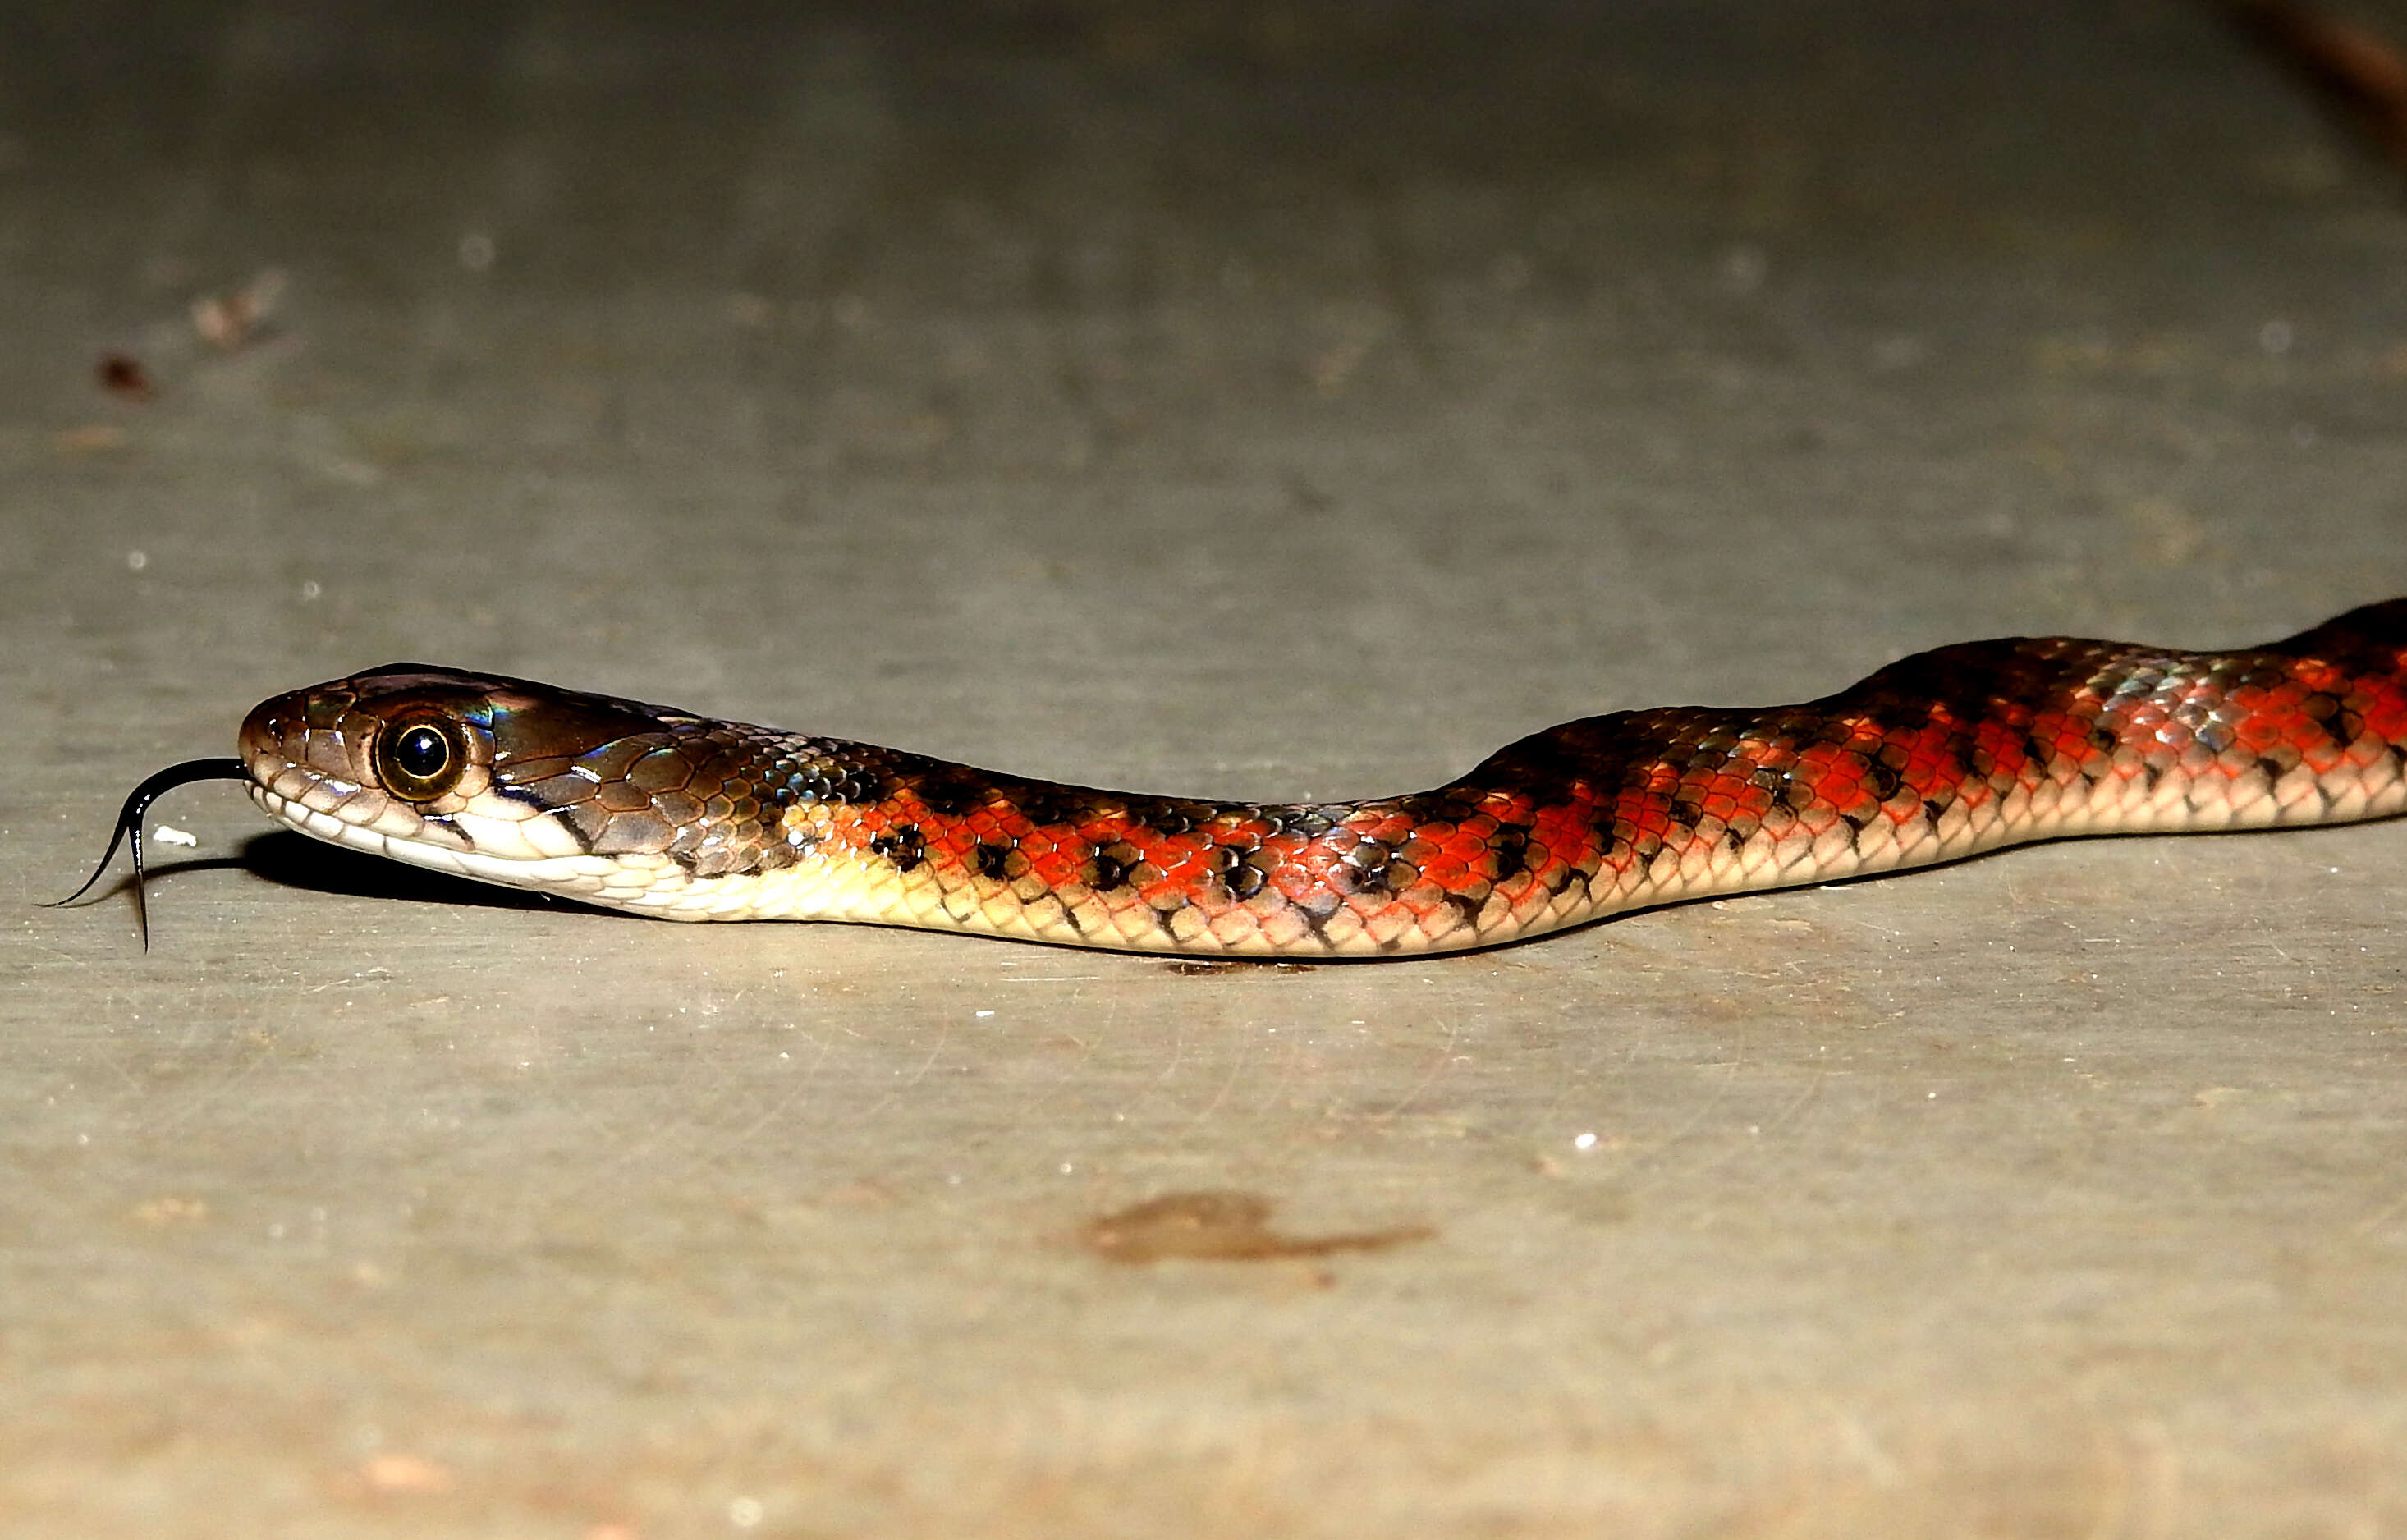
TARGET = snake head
x,y
481,775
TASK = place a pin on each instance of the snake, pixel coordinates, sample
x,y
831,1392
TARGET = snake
x,y
1943,754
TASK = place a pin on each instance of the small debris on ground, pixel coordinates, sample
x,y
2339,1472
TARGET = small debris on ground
x,y
229,321
1220,1227
123,373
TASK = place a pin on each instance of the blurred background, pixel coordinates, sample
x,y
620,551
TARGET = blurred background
x,y
1292,399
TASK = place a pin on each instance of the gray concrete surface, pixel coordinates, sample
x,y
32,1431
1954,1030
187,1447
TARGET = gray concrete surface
x,y
1284,400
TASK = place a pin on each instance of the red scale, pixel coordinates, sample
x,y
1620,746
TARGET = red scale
x,y
1715,773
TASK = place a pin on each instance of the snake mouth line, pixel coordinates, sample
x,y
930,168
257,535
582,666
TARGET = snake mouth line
x,y
302,818
583,877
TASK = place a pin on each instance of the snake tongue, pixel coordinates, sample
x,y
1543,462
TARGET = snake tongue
x,y
129,826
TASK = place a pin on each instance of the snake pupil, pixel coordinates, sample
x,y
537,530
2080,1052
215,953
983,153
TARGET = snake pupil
x,y
421,753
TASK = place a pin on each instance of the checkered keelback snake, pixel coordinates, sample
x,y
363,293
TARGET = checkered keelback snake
x,y
1943,754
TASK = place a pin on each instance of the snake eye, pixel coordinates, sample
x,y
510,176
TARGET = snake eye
x,y
419,761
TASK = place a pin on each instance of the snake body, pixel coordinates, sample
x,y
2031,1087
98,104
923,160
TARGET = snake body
x,y
1940,755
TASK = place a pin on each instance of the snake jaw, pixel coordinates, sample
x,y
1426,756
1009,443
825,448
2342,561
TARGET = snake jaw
x,y
526,807
610,801
321,761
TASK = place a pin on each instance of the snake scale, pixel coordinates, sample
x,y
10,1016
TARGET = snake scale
x,y
1940,755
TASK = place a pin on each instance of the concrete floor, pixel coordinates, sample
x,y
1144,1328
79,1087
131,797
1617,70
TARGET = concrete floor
x,y
1278,400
